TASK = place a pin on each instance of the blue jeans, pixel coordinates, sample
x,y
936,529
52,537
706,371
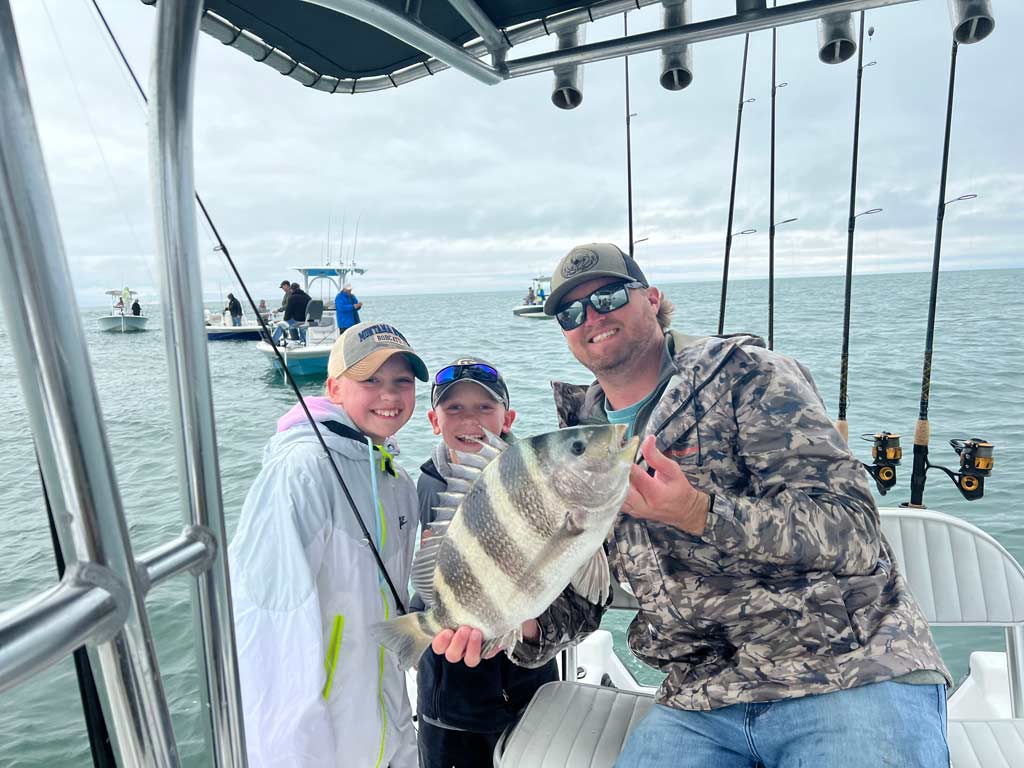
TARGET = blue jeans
x,y
236,320
279,331
884,724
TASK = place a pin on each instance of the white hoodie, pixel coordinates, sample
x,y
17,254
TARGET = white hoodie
x,y
316,690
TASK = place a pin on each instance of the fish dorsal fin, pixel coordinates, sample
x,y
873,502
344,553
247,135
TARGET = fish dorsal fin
x,y
464,473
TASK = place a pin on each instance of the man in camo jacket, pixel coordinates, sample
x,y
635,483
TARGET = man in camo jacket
x,y
767,592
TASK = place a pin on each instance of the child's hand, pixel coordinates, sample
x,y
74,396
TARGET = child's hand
x,y
463,644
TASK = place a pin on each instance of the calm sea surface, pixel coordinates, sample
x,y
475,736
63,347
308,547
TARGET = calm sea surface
x,y
977,390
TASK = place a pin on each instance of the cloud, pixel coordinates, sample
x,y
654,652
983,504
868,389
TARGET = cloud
x,y
458,186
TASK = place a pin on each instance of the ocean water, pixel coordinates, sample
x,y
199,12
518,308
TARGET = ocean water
x,y
977,391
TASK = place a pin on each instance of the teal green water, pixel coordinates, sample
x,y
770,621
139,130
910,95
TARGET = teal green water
x,y
978,390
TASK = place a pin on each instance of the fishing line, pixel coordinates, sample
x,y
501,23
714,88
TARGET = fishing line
x,y
92,129
399,605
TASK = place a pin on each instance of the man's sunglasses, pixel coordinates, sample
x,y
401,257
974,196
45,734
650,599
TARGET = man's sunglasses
x,y
605,299
475,371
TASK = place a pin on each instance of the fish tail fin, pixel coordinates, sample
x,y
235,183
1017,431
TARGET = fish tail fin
x,y
407,637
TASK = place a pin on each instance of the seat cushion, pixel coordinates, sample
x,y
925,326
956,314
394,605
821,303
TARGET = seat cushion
x,y
571,725
986,743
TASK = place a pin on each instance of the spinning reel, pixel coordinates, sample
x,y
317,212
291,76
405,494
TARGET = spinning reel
x,y
976,462
886,453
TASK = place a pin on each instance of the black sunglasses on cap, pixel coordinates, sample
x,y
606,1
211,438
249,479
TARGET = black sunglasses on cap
x,y
605,299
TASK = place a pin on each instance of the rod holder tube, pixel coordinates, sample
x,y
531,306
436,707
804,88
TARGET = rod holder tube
x,y
567,92
972,20
1015,668
835,38
172,177
676,60
60,393
45,629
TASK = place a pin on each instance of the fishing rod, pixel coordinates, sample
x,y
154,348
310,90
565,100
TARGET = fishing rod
x,y
222,246
732,188
976,455
844,362
629,149
886,451
771,204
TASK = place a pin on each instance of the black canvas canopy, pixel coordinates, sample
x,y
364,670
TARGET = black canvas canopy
x,y
339,46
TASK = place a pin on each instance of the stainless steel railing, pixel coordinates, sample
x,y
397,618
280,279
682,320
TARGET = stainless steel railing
x,y
100,600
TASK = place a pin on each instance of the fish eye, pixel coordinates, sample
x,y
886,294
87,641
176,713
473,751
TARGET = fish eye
x,y
577,447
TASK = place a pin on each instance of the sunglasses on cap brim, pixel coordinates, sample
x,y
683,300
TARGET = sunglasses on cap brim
x,y
474,371
605,299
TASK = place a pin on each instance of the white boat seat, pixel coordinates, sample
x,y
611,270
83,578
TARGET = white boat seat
x,y
986,743
958,573
572,725
960,576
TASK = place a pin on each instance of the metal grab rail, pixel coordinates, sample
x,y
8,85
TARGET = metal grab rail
x,y
173,184
44,629
55,374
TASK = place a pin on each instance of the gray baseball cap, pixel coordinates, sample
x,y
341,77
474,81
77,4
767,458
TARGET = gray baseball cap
x,y
585,262
364,348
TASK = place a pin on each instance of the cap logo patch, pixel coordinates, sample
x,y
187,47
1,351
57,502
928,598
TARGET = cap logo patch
x,y
383,334
580,260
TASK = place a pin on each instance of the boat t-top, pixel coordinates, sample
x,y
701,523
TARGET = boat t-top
x,y
306,347
532,305
959,575
121,318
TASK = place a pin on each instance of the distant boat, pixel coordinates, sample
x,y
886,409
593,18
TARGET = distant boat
x,y
321,327
219,328
121,318
533,303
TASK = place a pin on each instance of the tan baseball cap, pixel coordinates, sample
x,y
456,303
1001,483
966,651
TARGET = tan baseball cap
x,y
585,262
364,348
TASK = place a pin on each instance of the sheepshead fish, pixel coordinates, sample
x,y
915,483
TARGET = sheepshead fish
x,y
519,523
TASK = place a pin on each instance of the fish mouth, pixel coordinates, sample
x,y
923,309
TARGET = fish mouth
x,y
630,448
626,448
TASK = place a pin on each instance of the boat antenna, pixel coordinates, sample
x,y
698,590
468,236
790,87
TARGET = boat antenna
x,y
629,145
355,241
341,243
327,249
399,604
844,361
732,187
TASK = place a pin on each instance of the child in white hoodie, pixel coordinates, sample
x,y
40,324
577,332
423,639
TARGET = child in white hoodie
x,y
316,689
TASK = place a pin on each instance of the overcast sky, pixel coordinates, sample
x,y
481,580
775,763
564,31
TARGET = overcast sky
x,y
460,186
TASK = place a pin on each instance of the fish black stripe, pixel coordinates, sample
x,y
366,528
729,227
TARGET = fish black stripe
x,y
464,583
520,487
487,529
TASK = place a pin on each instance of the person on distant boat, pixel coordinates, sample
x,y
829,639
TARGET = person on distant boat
x,y
346,308
136,308
286,286
262,308
120,305
234,308
316,689
463,711
540,293
530,298
751,541
294,313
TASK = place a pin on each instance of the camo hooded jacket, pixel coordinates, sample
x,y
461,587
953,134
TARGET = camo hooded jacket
x,y
791,589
